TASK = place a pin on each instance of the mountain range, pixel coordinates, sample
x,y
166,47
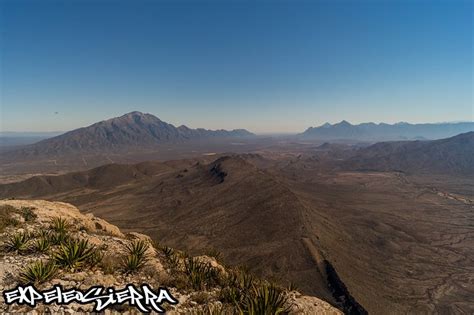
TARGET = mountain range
x,y
133,130
453,155
383,132
352,227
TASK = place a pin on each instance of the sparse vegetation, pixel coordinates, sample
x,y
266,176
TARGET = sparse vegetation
x,y
59,238
38,272
6,218
74,254
136,256
18,242
214,253
42,244
264,299
28,214
201,274
59,225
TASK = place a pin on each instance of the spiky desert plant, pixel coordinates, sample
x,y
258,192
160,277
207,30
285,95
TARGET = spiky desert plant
x,y
58,238
201,274
265,299
18,242
214,253
167,251
133,263
74,254
138,247
38,272
42,244
28,214
136,256
59,225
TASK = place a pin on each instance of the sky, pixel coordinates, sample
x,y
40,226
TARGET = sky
x,y
267,66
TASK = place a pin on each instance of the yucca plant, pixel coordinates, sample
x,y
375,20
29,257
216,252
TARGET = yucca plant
x,y
201,275
133,263
59,225
265,299
42,244
167,251
38,272
58,238
74,254
18,242
214,253
138,248
136,256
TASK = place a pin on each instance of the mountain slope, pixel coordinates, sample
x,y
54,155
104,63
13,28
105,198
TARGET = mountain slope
x,y
453,155
382,131
109,270
132,130
228,204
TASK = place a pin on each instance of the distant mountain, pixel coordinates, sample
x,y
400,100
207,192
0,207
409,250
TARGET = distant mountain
x,y
383,132
453,155
132,130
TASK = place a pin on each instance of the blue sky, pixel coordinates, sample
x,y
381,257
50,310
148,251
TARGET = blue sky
x,y
268,66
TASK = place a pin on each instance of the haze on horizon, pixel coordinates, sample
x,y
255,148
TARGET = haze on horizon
x,y
266,66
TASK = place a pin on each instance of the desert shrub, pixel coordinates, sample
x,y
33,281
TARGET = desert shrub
x,y
109,264
133,263
59,225
292,287
137,248
96,258
167,251
264,299
42,244
59,238
201,275
38,272
136,256
6,218
74,254
28,214
214,253
18,242
200,297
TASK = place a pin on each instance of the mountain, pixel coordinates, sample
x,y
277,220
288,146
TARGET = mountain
x,y
453,155
229,204
383,132
133,130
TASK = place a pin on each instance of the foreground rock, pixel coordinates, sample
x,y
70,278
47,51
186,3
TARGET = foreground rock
x,y
201,285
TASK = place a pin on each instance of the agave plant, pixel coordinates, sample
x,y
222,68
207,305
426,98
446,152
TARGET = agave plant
x,y
38,272
201,275
265,299
136,256
58,238
137,248
42,244
74,254
18,242
59,225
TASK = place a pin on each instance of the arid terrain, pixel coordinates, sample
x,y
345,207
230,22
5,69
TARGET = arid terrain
x,y
307,214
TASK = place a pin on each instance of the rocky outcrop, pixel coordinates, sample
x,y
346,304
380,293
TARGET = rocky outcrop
x,y
162,266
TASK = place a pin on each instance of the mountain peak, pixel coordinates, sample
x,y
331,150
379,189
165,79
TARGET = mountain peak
x,y
343,123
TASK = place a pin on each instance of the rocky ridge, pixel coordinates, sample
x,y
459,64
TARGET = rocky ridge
x,y
163,266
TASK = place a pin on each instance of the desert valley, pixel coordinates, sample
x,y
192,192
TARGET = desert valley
x,y
366,217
